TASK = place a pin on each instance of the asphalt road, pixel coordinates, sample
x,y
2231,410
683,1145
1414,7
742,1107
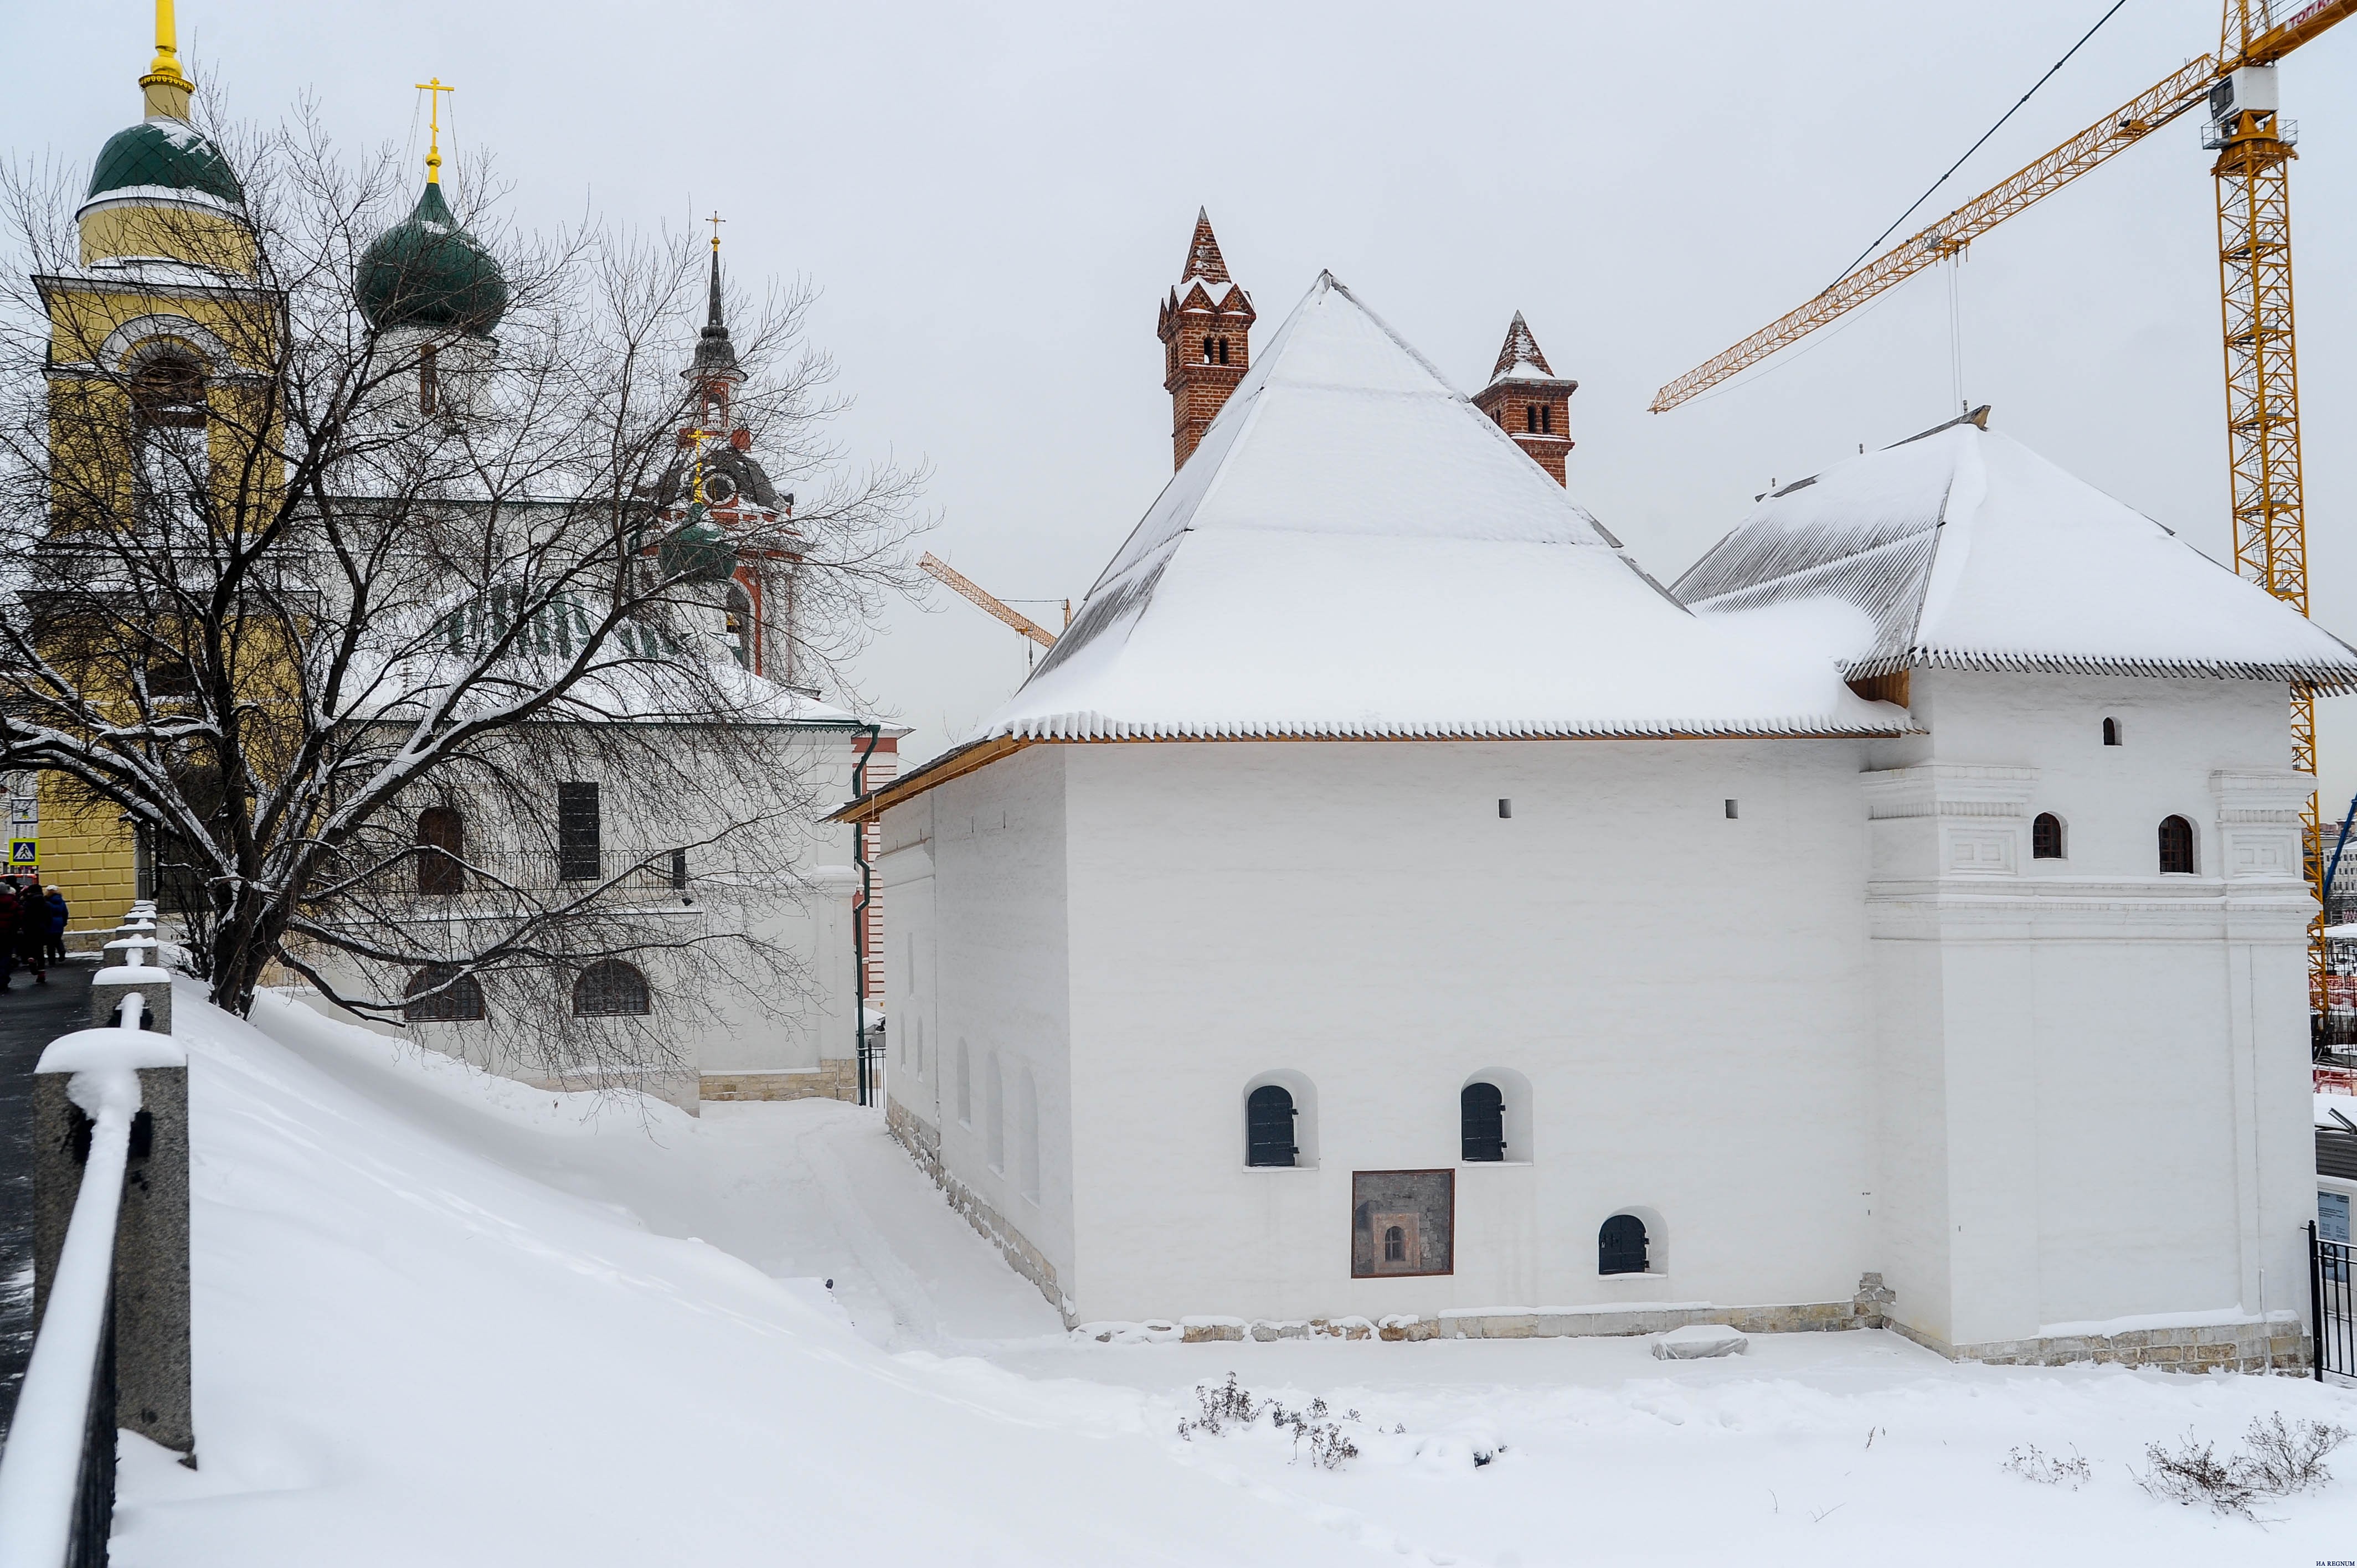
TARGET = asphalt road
x,y
30,1017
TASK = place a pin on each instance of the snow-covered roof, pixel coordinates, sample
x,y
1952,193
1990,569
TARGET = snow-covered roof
x,y
1355,550
1967,550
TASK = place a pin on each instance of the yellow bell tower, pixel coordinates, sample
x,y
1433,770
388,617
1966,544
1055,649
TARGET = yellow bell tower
x,y
152,340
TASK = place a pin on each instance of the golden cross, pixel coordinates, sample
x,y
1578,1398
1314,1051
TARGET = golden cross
x,y
715,220
434,150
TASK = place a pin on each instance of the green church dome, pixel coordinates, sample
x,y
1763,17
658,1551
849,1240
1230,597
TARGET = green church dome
x,y
426,270
166,154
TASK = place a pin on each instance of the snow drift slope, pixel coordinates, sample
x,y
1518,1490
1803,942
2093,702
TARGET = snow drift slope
x,y
408,1353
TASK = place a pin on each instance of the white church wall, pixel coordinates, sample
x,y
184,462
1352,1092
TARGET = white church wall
x,y
2093,1074
1685,994
989,981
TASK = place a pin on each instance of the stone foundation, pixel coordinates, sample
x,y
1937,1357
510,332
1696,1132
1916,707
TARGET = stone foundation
x,y
834,1080
923,1143
2278,1344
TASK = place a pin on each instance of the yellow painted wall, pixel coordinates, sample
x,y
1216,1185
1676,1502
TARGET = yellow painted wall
x,y
88,851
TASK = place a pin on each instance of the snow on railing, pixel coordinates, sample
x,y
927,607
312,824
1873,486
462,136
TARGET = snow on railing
x,y
55,1467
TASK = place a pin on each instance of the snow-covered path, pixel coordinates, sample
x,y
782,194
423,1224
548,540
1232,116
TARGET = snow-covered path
x,y
444,1319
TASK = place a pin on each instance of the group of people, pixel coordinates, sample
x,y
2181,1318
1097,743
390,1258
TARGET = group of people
x,y
32,929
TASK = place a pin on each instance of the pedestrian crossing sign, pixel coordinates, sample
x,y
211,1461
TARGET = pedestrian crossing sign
x,y
24,855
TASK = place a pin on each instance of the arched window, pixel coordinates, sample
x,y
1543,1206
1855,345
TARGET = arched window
x,y
1224,350
1026,1134
610,989
1268,1126
169,414
1546,419
441,849
1209,355
429,378
741,624
2175,847
1482,1113
1394,1244
1621,1246
2046,837
2111,732
457,999
994,1111
1531,418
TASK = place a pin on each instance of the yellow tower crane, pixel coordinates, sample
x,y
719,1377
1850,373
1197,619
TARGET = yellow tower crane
x,y
2254,144
966,588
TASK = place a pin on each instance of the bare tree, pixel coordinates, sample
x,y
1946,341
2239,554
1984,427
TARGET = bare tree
x,y
287,571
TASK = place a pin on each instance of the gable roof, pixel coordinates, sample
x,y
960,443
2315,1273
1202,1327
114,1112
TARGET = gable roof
x,y
1355,550
1967,550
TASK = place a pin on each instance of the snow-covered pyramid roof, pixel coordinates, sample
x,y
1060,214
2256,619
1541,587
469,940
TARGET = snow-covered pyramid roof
x,y
1969,551
1355,550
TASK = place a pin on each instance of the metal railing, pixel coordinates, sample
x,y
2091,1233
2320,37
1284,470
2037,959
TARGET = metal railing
x,y
56,1476
105,1098
2332,1305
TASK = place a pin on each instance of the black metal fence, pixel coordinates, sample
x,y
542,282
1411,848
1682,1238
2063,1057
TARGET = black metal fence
x,y
2332,1302
93,1513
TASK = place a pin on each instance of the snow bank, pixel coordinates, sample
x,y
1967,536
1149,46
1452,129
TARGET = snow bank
x,y
1697,1340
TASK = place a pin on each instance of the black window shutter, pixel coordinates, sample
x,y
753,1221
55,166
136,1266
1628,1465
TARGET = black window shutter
x,y
1621,1246
1268,1127
578,832
1483,1113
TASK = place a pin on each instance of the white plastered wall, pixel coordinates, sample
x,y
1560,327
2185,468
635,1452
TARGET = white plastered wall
x,y
2094,1100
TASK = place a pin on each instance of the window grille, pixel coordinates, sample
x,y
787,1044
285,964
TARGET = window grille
x,y
1268,1127
610,989
2046,837
1621,1246
461,1003
578,832
1394,1245
2175,847
441,846
1482,1111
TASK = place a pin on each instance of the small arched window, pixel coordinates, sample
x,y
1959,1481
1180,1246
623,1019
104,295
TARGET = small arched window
x,y
2046,837
1268,1126
1224,350
457,999
2111,732
1394,1244
1621,1246
441,851
610,989
1546,419
1531,418
429,378
1209,351
1482,1113
741,624
2175,847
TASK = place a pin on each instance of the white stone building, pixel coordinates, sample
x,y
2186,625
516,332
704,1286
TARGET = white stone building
x,y
1388,902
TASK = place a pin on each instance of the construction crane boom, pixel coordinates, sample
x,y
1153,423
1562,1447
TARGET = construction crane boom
x,y
2156,106
958,583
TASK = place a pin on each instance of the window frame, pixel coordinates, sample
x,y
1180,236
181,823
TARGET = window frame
x,y
2061,849
607,969
2193,847
580,830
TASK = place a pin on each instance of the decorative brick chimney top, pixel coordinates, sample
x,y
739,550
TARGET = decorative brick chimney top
x,y
1528,401
1205,325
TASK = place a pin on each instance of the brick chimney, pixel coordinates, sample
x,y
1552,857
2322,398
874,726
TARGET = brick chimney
x,y
1528,401
1205,326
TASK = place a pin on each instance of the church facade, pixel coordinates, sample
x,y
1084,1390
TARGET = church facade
x,y
1390,911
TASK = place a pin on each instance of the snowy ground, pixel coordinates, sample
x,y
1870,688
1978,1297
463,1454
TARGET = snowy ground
x,y
442,1318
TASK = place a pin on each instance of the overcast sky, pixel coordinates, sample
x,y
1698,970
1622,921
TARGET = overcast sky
x,y
993,200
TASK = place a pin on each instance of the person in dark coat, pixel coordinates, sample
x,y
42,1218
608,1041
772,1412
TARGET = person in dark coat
x,y
33,932
59,916
10,910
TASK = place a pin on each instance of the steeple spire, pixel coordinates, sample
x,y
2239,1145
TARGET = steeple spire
x,y
165,89
1521,348
1203,258
716,356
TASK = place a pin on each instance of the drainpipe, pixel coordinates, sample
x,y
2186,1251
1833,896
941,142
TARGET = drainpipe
x,y
859,917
